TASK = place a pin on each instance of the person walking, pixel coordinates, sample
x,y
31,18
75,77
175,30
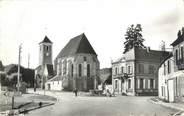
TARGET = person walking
x,y
75,91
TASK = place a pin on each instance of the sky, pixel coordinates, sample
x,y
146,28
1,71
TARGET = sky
x,y
104,22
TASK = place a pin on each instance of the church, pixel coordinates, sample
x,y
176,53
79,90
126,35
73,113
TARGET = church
x,y
75,67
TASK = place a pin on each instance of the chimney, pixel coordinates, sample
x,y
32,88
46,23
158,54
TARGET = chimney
x,y
182,30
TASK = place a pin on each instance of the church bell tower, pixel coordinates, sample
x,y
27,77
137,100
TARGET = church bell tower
x,y
45,52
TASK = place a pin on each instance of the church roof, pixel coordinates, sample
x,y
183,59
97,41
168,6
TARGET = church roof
x,y
45,40
78,44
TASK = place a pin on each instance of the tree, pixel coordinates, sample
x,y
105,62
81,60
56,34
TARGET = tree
x,y
1,66
133,38
27,75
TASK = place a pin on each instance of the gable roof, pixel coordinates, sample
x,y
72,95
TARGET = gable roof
x,y
45,40
78,44
143,54
56,78
40,69
166,58
50,69
178,40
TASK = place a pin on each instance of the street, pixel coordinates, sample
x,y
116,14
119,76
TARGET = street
x,y
68,105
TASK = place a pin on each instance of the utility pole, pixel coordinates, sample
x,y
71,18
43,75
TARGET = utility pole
x,y
18,78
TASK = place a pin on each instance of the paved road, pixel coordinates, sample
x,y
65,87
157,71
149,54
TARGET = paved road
x,y
68,105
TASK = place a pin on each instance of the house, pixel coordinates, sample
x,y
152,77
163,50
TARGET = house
x,y
54,84
45,63
171,77
77,65
136,72
165,77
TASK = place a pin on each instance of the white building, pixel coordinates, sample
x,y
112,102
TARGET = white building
x,y
171,72
54,84
136,73
166,79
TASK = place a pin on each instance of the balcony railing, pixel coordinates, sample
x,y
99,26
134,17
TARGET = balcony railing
x,y
122,76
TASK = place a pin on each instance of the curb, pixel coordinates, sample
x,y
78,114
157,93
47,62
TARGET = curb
x,y
23,111
178,113
169,106
34,108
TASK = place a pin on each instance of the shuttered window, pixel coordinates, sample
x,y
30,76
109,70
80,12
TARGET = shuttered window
x,y
80,70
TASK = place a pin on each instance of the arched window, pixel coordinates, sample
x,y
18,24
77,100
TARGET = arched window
x,y
80,70
88,70
47,47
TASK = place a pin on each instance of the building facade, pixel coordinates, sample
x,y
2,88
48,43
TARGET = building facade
x,y
54,84
44,71
136,73
77,65
171,77
165,72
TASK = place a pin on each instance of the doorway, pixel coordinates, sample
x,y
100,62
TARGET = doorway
x,y
171,90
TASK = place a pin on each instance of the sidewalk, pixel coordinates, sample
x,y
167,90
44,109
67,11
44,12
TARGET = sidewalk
x,y
24,103
178,106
